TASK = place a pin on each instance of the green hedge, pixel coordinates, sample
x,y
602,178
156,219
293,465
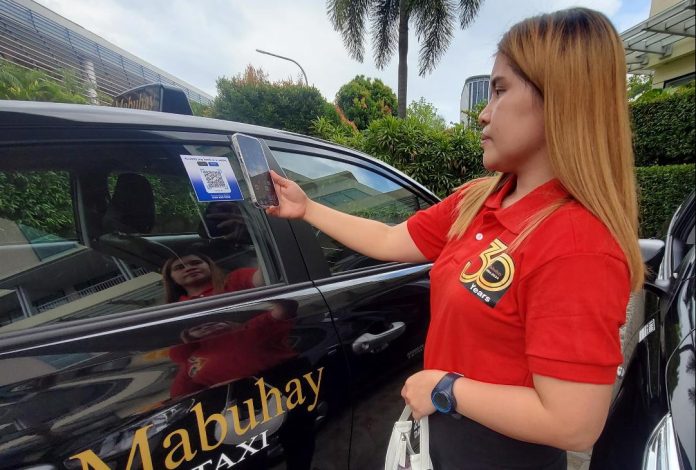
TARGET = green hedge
x,y
664,128
439,159
287,106
661,190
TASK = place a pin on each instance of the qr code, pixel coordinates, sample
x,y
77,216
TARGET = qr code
x,y
214,181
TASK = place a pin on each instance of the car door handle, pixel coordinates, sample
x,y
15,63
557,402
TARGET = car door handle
x,y
373,343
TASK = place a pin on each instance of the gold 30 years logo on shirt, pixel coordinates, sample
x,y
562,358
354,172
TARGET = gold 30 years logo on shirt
x,y
494,276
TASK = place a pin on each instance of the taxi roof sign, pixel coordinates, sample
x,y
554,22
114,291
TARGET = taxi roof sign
x,y
155,97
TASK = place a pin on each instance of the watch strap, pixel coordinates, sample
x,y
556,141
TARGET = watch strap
x,y
446,386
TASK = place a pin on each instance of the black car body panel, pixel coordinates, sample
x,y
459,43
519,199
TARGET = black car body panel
x,y
659,376
97,371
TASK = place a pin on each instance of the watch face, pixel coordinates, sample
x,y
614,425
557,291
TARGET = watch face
x,y
441,402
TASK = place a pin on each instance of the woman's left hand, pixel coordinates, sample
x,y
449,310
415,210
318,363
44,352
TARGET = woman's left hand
x,y
417,390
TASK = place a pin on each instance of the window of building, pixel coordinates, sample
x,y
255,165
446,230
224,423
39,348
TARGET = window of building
x,y
683,80
351,189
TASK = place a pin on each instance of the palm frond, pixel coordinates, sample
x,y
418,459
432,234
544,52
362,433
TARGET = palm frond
x,y
468,9
434,23
385,30
348,18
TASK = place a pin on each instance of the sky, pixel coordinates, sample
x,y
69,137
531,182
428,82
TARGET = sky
x,y
200,41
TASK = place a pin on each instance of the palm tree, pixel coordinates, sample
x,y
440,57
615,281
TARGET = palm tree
x,y
389,20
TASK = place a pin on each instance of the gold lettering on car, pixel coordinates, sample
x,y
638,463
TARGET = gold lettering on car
x,y
181,447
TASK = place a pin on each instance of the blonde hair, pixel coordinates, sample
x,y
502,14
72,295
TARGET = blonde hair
x,y
574,59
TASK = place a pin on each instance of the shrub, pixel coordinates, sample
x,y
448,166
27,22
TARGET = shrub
x,y
440,159
664,127
425,113
365,99
18,83
661,190
251,98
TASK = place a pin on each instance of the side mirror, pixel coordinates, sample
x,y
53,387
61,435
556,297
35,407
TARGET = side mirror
x,y
652,251
659,287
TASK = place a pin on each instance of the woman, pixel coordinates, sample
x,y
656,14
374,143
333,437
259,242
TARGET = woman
x,y
533,266
196,275
218,352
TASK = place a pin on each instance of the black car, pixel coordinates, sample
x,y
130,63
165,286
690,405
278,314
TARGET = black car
x,y
292,358
652,421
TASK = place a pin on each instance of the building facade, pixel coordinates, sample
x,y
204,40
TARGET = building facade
x,y
663,45
32,36
475,91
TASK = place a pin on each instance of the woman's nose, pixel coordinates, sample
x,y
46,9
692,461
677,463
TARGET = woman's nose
x,y
483,117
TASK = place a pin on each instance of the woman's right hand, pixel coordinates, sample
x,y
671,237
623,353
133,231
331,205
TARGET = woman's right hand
x,y
292,200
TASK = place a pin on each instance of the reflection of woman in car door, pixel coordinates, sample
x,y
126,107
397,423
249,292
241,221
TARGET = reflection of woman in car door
x,y
196,275
217,352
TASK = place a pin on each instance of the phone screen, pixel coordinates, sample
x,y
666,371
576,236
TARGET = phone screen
x,y
256,168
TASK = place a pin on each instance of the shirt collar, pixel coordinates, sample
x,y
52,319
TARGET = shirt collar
x,y
514,217
207,292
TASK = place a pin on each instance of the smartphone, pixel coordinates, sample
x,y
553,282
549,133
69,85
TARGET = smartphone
x,y
255,169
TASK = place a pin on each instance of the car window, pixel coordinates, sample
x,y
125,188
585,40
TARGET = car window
x,y
352,189
680,237
87,231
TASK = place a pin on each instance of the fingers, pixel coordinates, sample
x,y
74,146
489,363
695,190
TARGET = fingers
x,y
279,180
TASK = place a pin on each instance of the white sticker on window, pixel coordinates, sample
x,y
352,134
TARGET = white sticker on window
x,y
646,330
212,178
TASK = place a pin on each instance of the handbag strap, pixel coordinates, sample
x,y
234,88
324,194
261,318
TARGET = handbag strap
x,y
424,436
405,414
425,443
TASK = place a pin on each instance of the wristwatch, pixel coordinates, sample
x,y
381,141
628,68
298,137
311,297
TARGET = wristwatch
x,y
443,395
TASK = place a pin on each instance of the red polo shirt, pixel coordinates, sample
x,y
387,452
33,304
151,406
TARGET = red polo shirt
x,y
239,279
553,307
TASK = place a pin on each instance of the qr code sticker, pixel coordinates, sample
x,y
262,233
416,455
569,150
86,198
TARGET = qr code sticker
x,y
214,181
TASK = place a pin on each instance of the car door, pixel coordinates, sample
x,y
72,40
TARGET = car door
x,y
381,309
106,363
653,370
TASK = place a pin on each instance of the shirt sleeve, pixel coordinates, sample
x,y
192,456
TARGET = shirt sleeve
x,y
573,307
240,279
428,228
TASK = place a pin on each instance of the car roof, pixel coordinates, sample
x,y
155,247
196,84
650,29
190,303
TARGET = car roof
x,y
36,113
27,114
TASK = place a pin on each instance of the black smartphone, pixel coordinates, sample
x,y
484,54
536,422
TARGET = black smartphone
x,y
256,171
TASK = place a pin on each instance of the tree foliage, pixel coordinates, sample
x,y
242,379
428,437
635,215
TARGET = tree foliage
x,y
434,22
439,158
363,100
39,200
18,83
443,159
426,114
636,85
251,98
201,109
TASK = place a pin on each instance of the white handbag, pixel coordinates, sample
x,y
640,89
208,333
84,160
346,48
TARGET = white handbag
x,y
400,453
